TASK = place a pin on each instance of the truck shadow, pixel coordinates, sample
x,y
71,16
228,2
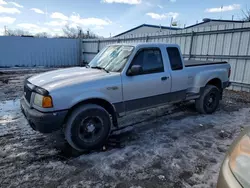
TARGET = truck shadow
x,y
115,141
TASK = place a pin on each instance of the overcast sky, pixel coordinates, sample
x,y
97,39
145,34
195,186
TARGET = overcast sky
x,y
111,16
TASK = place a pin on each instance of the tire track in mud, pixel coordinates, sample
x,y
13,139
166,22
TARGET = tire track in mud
x,y
185,175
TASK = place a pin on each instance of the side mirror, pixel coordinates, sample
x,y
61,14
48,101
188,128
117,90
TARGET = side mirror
x,y
135,70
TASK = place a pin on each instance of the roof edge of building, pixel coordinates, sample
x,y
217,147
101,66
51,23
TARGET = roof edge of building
x,y
147,25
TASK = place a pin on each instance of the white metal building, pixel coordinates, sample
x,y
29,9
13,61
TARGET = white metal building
x,y
213,22
146,29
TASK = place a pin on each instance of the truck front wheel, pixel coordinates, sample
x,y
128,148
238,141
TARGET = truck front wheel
x,y
208,101
87,127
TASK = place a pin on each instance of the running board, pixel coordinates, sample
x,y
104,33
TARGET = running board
x,y
192,96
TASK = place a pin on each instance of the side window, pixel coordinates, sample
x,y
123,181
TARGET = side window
x,y
150,61
138,59
174,58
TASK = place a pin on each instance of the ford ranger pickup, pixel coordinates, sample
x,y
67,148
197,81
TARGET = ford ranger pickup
x,y
86,102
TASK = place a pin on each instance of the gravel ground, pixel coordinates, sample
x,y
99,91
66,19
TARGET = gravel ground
x,y
171,146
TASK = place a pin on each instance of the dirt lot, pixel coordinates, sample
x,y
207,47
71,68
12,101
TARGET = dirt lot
x,y
171,146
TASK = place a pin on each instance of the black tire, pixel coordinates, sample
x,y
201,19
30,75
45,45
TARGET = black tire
x,y
209,100
88,122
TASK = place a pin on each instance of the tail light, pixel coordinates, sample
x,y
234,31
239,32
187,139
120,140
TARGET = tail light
x,y
229,72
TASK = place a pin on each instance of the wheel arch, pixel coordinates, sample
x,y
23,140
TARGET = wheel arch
x,y
218,83
98,101
215,82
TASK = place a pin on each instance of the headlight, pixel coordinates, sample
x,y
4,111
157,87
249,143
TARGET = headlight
x,y
240,161
43,101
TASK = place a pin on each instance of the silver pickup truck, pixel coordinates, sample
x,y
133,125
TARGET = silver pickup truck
x,y
122,78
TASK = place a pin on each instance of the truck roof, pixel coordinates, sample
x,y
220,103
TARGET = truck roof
x,y
148,44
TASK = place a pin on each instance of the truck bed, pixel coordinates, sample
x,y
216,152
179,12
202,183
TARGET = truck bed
x,y
192,63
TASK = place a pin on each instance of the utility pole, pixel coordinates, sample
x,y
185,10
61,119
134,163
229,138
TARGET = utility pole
x,y
221,11
80,34
171,22
5,30
88,33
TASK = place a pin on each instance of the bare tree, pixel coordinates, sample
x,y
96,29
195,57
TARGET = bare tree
x,y
91,35
17,32
72,32
246,15
42,35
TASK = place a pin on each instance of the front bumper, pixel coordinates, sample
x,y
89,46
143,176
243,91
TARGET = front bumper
x,y
43,122
226,178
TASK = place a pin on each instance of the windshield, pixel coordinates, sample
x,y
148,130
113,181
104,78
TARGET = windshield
x,y
112,58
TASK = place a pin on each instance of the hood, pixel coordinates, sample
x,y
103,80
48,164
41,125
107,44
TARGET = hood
x,y
62,77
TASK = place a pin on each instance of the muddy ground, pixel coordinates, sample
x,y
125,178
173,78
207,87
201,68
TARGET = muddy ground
x,y
171,146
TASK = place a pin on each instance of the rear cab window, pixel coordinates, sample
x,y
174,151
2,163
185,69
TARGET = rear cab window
x,y
174,58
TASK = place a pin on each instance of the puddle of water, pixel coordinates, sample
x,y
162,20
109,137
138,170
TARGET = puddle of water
x,y
9,110
10,105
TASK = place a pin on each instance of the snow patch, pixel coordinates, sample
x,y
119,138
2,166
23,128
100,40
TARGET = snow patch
x,y
9,111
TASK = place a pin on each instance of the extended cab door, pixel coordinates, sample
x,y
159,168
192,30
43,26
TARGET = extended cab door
x,y
151,86
180,78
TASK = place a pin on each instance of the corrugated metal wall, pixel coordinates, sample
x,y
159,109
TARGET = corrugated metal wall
x,y
48,52
229,43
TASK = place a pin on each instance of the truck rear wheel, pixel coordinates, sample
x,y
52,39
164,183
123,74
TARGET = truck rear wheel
x,y
208,102
88,127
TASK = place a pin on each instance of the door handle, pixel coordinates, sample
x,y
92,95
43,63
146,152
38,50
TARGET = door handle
x,y
164,78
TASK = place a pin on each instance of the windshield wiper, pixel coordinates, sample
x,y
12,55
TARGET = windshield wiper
x,y
100,68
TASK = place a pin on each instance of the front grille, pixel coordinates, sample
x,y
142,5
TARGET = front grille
x,y
27,93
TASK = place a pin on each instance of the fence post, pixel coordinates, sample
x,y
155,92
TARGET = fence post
x,y
191,45
80,51
98,46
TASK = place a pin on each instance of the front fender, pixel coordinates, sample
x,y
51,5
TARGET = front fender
x,y
87,96
64,101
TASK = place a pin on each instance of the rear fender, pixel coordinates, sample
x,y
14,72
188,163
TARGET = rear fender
x,y
202,78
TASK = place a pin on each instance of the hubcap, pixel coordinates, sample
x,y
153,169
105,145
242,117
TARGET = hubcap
x,y
90,129
210,100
